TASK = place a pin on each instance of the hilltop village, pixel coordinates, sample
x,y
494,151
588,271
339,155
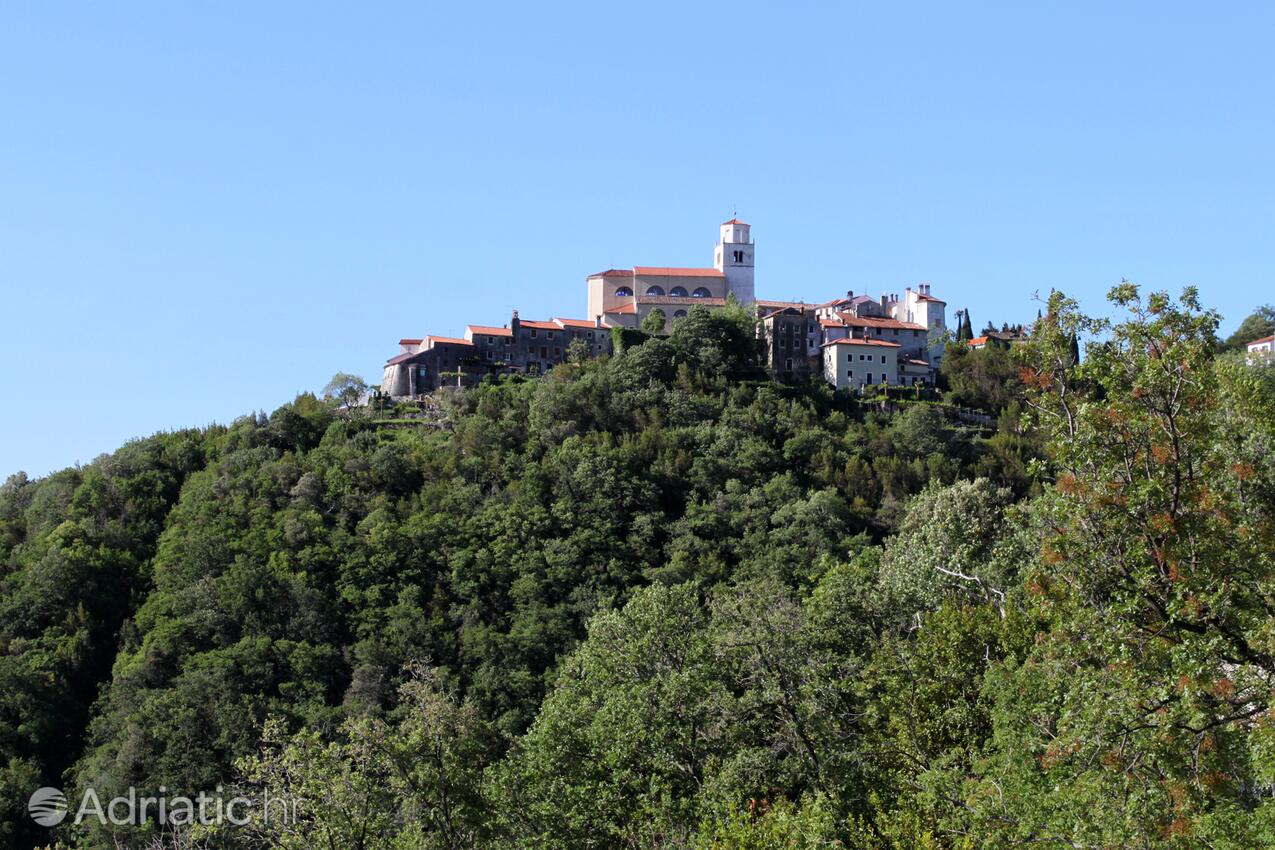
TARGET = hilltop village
x,y
852,341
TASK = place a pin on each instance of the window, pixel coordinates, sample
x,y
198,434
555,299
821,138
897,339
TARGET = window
x,y
654,290
550,335
868,378
788,364
533,333
557,352
882,358
624,292
850,374
508,340
491,355
679,314
739,256
701,292
678,292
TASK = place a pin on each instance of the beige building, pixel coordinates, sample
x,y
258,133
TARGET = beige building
x,y
849,364
624,297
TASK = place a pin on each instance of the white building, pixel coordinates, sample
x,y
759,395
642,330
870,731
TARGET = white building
x,y
919,307
733,257
853,363
1263,349
624,297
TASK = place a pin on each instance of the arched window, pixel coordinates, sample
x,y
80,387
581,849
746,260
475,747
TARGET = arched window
x,y
679,314
624,292
700,292
654,290
678,292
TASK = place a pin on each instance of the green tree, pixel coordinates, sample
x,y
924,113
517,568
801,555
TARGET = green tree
x,y
654,321
956,542
1258,324
986,378
345,388
1134,720
577,351
411,784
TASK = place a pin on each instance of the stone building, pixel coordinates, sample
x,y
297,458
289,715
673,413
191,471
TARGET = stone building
x,y
792,342
427,364
528,347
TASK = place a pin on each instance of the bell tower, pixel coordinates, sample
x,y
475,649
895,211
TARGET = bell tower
x,y
734,258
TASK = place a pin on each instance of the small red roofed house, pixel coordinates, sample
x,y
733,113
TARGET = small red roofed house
x,y
1262,350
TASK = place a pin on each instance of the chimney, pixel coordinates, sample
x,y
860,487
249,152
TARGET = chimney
x,y
849,293
513,324
597,321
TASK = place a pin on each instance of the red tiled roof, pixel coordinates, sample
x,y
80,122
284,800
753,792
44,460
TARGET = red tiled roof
x,y
978,340
1262,340
735,221
544,326
914,362
410,342
574,323
434,340
667,271
394,361
624,308
863,342
872,322
786,310
832,323
781,305
930,298
483,329
834,302
686,300
614,273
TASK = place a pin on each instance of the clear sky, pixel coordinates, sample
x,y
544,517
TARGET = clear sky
x,y
206,208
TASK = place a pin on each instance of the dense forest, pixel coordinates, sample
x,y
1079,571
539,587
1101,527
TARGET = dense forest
x,y
659,601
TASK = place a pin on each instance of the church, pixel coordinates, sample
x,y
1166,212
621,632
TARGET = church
x,y
852,341
624,297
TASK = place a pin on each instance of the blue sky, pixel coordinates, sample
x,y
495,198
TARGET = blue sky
x,y
205,209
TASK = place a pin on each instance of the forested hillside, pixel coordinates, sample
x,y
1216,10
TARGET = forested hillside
x,y
657,601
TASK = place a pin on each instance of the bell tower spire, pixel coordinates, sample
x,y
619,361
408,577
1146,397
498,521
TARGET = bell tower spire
x,y
734,258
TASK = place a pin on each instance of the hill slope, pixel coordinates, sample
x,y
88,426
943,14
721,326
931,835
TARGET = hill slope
x,y
643,602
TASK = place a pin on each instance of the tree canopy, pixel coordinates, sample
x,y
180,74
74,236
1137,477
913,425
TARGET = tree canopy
x,y
656,600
